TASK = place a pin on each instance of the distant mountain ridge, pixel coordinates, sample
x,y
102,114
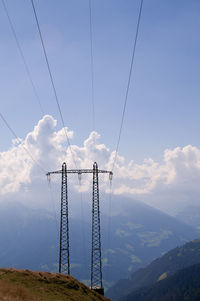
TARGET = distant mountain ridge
x,y
190,215
161,268
184,285
138,234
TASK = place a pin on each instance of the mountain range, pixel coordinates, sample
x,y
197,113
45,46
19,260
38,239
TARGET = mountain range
x,y
184,285
132,237
190,215
146,279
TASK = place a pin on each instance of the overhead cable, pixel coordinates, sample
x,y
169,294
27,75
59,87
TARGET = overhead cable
x,y
128,83
19,141
52,80
22,56
92,65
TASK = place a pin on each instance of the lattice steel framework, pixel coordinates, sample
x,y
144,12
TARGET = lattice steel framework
x,y
96,264
64,262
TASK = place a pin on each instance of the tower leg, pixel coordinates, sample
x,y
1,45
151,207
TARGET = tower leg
x,y
64,264
96,265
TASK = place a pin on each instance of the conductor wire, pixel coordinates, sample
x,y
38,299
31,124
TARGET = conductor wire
x,y
52,81
128,83
92,65
22,57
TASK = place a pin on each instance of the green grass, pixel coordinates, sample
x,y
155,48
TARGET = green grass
x,y
24,285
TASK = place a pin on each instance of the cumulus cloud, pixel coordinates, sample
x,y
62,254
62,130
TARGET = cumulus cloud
x,y
176,179
28,158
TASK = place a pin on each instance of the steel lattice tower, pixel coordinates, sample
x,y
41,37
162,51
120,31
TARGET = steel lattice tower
x,y
64,264
96,264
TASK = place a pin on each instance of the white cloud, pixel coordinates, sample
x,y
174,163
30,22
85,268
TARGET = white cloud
x,y
175,181
43,144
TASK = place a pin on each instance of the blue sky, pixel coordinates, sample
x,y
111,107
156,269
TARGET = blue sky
x,y
163,105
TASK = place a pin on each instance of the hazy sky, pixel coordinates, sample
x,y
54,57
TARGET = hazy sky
x,y
163,105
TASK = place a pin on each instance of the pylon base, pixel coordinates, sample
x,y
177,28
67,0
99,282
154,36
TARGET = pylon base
x,y
99,290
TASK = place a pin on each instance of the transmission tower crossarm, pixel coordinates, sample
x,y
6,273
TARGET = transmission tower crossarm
x,y
79,171
53,172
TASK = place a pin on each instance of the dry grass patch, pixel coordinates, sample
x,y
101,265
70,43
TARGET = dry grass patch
x,y
24,285
11,292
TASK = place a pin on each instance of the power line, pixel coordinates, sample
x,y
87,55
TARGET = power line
x,y
92,65
22,56
23,60
52,80
122,121
19,141
128,83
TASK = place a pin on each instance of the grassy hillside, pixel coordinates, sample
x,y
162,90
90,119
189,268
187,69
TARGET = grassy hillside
x,y
184,285
24,285
159,269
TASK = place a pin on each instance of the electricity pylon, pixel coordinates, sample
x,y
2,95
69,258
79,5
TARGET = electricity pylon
x,y
64,262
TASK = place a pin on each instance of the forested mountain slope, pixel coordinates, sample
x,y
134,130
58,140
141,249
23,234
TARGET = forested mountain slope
x,y
184,285
174,260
